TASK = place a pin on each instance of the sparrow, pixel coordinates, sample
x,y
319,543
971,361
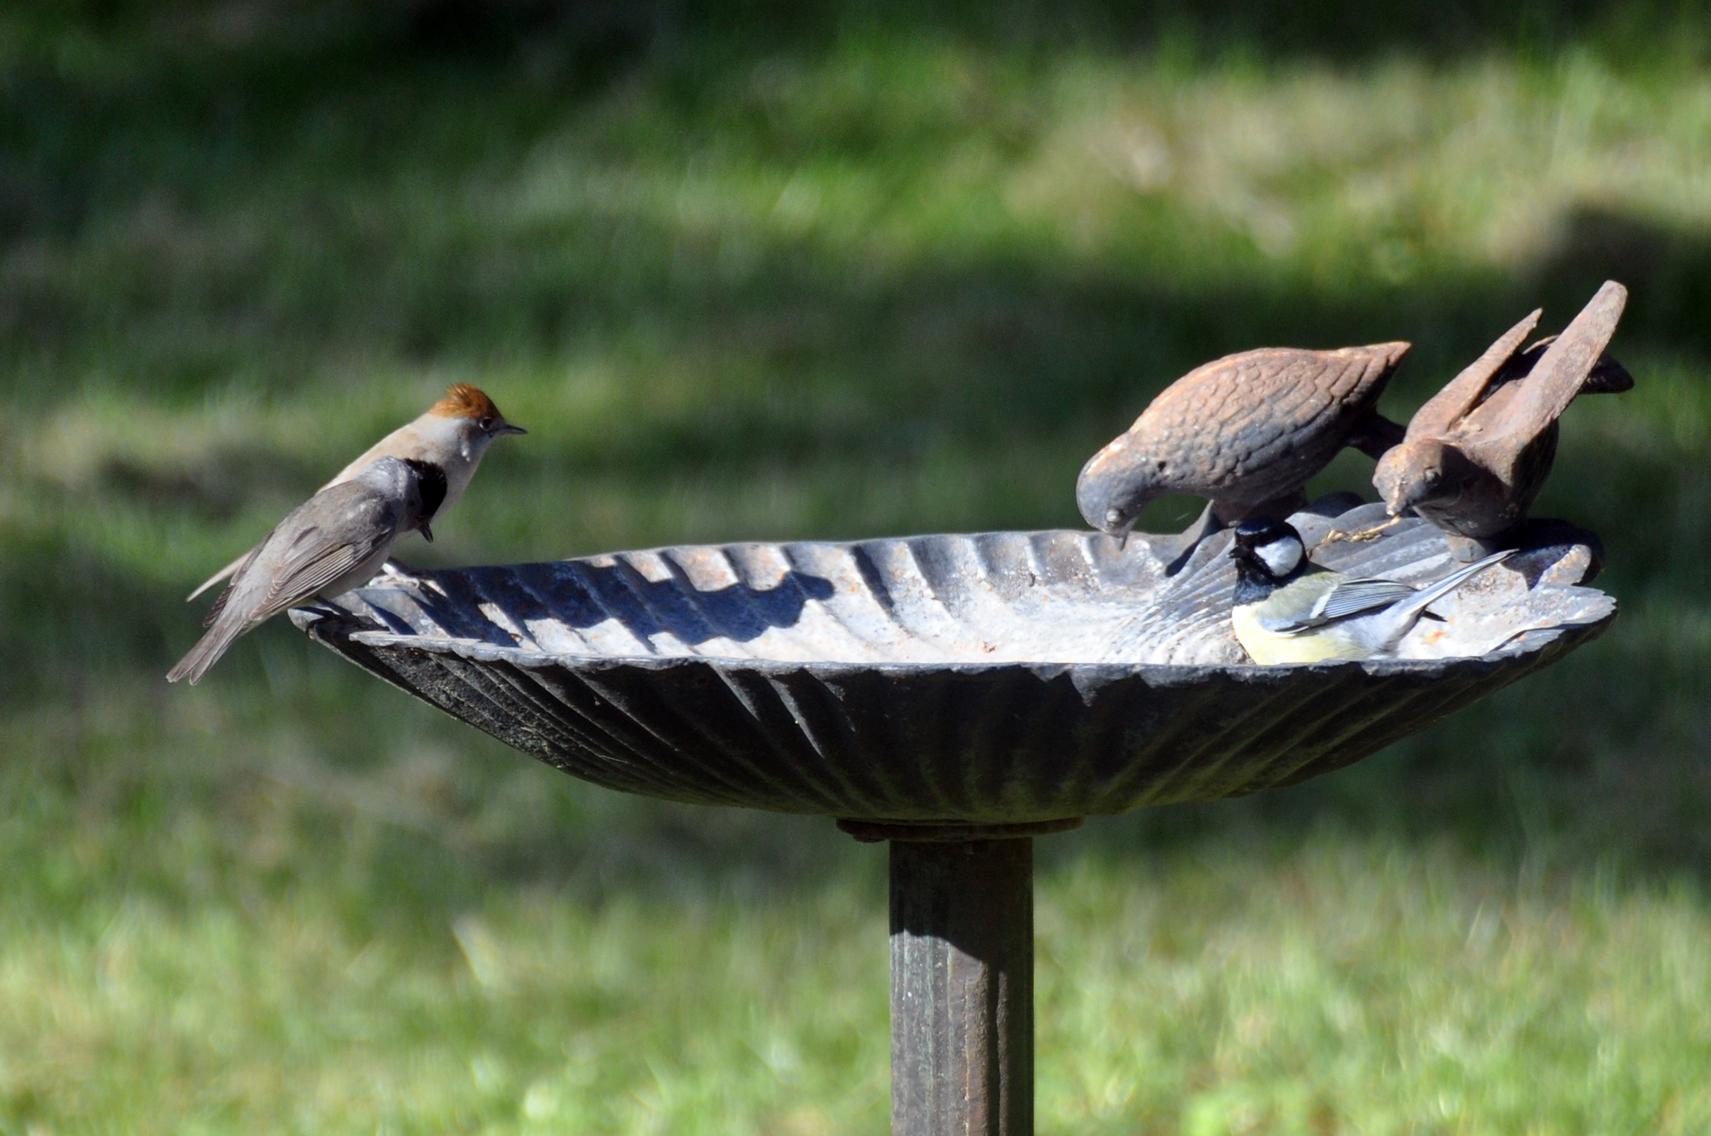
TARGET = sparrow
x,y
332,542
1476,455
1245,431
1288,609
452,434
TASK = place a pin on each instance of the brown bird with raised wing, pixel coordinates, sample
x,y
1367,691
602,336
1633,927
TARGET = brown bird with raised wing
x,y
1476,455
1245,431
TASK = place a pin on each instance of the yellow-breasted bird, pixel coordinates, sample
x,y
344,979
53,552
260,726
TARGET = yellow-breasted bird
x,y
1288,609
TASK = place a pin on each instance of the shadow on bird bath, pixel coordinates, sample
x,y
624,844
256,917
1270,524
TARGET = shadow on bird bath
x,y
635,603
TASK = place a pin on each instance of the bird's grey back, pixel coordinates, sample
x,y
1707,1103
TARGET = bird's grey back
x,y
391,489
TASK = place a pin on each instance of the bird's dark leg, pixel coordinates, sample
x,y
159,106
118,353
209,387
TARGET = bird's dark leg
x,y
326,609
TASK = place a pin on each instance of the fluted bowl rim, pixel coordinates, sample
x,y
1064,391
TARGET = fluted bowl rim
x,y
952,740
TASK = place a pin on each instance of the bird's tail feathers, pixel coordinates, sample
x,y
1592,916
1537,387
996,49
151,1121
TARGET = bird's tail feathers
x,y
219,606
206,653
1428,595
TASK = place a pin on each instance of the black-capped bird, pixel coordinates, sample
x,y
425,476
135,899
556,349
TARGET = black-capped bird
x,y
1288,609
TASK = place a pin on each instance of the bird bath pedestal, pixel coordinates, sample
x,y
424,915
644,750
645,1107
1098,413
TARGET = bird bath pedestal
x,y
962,977
952,695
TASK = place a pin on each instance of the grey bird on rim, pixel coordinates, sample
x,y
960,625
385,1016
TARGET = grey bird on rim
x,y
453,434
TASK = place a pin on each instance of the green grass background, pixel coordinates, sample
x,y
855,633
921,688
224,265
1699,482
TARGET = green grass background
x,y
770,270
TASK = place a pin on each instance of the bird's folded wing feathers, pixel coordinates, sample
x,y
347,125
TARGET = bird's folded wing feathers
x,y
1348,598
304,576
225,595
311,562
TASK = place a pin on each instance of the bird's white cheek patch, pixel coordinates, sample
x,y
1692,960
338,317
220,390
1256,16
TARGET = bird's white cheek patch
x,y
1280,557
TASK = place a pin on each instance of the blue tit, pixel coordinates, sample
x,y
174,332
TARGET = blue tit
x,y
1290,610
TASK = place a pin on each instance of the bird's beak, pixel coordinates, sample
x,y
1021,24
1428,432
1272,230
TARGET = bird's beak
x,y
427,533
509,428
1122,532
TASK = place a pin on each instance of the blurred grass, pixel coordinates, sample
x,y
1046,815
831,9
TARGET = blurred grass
x,y
771,271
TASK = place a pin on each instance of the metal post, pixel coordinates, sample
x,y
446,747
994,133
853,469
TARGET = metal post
x,y
962,988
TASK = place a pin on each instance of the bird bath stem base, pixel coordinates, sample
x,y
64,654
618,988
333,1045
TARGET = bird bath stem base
x,y
962,976
954,696
962,988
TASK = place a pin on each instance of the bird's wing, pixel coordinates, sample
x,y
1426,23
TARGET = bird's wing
x,y
1266,395
1450,405
313,560
1557,377
1350,598
315,572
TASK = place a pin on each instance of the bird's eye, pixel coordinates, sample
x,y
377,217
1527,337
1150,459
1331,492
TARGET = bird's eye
x,y
486,424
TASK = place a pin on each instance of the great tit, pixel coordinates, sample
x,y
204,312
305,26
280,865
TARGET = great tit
x,y
1290,610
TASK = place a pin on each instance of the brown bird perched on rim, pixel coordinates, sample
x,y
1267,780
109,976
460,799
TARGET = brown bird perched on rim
x,y
1246,431
452,434
1476,455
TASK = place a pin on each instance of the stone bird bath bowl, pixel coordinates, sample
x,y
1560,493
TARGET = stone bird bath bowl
x,y
954,695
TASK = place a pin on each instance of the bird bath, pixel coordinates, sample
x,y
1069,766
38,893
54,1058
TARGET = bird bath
x,y
954,696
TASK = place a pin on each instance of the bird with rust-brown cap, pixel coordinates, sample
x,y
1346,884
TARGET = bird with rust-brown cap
x,y
451,435
1246,431
1476,455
